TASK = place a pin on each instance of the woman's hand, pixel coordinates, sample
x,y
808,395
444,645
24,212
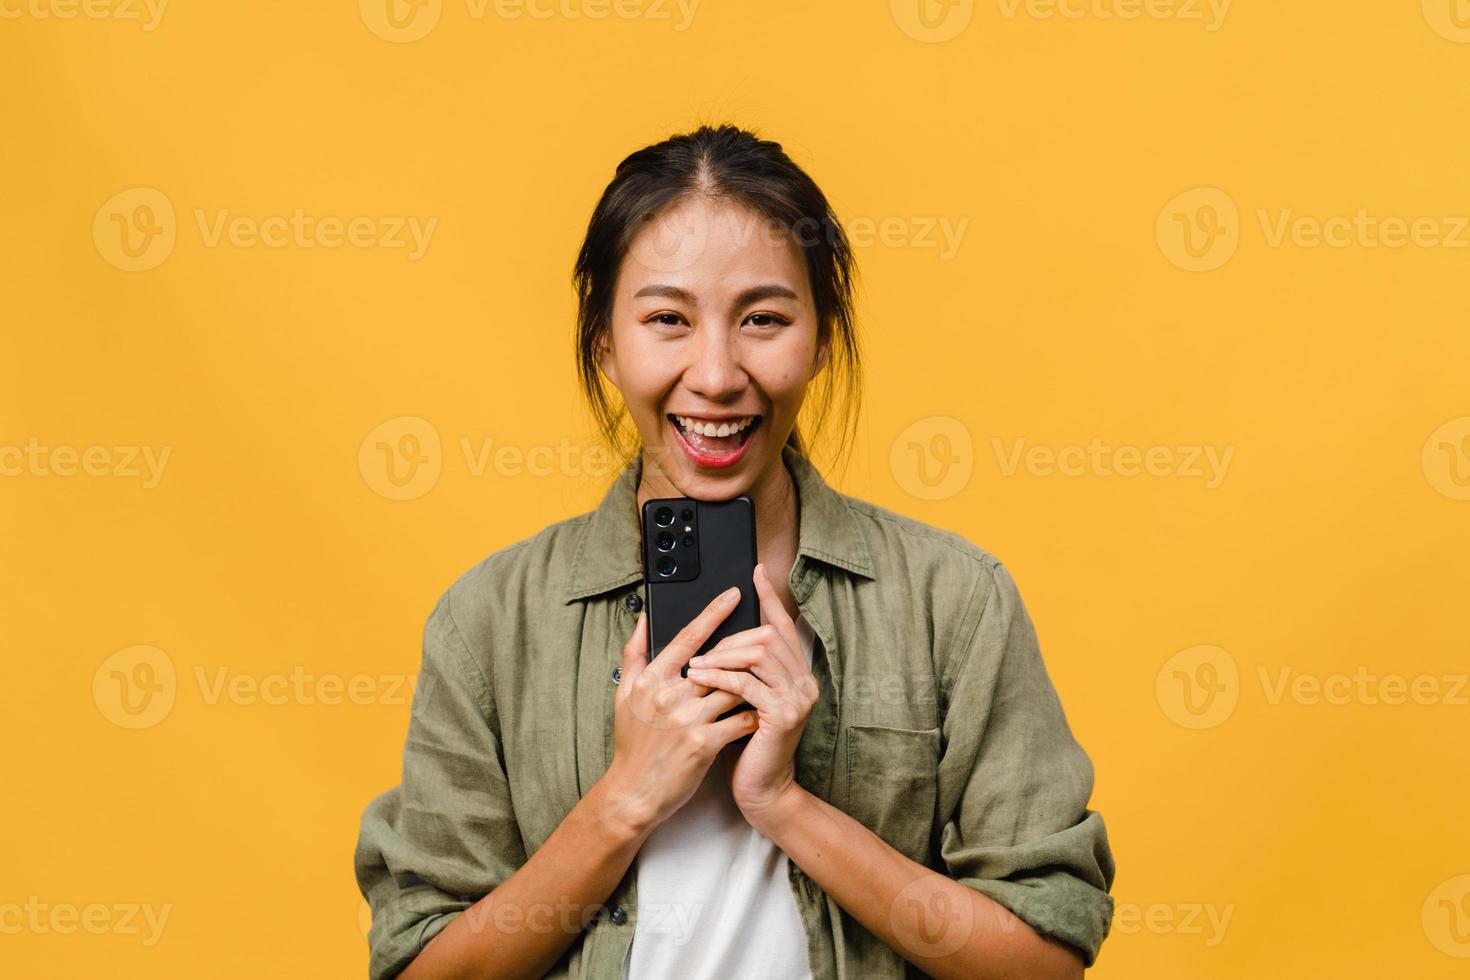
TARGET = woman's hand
x,y
667,730
767,668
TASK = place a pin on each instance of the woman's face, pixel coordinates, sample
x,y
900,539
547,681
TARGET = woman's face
x,y
712,343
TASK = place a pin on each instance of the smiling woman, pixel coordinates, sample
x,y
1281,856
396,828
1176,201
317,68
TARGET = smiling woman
x,y
720,229
570,810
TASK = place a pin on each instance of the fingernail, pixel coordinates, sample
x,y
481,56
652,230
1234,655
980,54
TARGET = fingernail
x,y
696,661
731,594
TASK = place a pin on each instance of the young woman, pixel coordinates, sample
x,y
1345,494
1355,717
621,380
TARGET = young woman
x,y
910,791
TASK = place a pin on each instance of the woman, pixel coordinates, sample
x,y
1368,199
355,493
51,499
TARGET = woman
x,y
909,792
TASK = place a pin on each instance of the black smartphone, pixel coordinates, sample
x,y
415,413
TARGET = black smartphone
x,y
692,551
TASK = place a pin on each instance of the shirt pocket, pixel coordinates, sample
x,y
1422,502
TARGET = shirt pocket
x,y
892,784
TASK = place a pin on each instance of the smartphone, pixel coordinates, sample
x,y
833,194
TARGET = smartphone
x,y
692,551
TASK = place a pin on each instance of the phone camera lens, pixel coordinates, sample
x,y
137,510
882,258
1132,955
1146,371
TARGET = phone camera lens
x,y
686,515
688,540
667,567
664,541
663,517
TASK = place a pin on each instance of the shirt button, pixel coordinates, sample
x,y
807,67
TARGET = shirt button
x,y
618,915
633,601
617,674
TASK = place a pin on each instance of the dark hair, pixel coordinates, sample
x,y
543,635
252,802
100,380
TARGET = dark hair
x,y
733,164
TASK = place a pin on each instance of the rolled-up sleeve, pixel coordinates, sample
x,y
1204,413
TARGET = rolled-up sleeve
x,y
432,846
1014,782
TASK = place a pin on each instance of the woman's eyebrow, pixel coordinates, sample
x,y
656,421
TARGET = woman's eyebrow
x,y
769,291
751,295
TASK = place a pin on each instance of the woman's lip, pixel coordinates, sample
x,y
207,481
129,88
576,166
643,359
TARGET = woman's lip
x,y
712,461
712,418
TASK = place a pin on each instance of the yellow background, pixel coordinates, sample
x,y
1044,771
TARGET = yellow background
x,y
1331,835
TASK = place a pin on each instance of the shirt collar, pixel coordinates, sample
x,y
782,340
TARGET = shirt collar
x,y
608,556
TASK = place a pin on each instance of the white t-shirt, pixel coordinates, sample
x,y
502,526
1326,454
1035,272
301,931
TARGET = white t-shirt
x,y
714,899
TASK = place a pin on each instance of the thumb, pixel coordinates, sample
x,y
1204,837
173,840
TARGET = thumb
x,y
635,651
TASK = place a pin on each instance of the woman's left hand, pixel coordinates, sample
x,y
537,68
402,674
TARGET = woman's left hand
x,y
767,667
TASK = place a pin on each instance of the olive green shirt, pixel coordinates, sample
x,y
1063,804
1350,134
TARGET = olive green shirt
x,y
937,727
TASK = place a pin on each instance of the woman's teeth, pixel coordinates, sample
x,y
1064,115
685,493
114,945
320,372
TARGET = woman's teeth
x,y
712,429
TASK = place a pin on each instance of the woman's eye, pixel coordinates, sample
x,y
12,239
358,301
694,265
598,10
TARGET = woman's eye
x,y
754,319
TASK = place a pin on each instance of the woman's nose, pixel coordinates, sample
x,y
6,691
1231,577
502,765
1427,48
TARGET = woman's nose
x,y
715,371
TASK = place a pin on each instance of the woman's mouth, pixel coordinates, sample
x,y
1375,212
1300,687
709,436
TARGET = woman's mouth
x,y
714,441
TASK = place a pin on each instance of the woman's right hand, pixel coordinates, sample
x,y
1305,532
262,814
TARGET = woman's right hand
x,y
667,732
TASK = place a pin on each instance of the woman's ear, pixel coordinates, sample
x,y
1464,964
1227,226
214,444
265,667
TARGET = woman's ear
x,y
605,360
824,350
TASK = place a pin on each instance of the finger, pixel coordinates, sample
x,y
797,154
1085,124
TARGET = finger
x,y
772,609
729,729
765,685
752,658
767,658
716,703
755,636
773,612
740,682
687,642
